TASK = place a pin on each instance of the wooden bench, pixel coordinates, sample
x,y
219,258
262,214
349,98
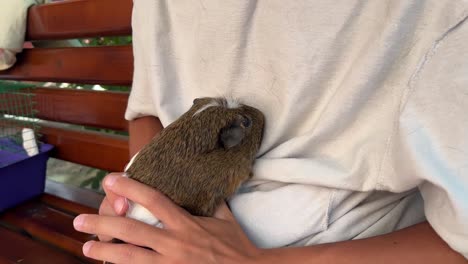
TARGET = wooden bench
x,y
40,230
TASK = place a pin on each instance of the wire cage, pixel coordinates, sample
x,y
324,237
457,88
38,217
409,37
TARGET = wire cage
x,y
18,125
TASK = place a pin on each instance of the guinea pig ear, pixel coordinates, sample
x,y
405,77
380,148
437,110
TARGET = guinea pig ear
x,y
232,136
196,100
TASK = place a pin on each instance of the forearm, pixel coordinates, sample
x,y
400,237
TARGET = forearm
x,y
416,244
141,131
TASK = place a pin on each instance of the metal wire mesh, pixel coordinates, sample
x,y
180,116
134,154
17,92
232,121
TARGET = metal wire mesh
x,y
18,126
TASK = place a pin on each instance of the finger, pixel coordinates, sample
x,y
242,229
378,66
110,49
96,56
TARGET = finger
x,y
106,209
119,253
157,203
119,203
125,229
223,212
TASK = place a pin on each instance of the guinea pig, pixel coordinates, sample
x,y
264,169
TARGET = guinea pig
x,y
200,159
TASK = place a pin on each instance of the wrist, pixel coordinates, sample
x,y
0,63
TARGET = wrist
x,y
258,256
270,256
289,255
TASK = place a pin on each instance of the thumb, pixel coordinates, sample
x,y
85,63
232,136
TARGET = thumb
x,y
118,203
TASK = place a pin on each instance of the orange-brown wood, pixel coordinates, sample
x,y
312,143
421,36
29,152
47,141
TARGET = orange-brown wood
x,y
93,65
16,248
91,108
79,18
92,149
4,260
47,224
81,107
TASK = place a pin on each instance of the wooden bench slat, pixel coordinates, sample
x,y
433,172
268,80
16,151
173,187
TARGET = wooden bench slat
x,y
92,149
90,108
4,260
81,107
18,249
45,223
90,65
79,18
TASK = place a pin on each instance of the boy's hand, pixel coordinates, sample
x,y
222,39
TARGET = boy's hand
x,y
113,204
184,239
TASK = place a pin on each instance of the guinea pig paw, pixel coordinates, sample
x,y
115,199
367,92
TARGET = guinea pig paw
x,y
159,224
140,213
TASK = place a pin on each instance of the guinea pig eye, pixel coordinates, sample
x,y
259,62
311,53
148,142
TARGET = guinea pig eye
x,y
246,122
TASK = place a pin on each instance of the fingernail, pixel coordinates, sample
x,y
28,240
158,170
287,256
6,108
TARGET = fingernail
x,y
110,180
87,246
78,221
120,203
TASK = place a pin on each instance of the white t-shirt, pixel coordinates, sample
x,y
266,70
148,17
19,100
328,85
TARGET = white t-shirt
x,y
366,106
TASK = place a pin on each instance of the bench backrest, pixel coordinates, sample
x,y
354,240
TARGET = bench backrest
x,y
83,65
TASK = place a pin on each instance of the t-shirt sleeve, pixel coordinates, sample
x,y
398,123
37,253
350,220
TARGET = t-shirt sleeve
x,y
140,102
430,147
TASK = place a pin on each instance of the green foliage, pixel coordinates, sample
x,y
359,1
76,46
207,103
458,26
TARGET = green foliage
x,y
95,182
103,130
9,85
106,41
114,88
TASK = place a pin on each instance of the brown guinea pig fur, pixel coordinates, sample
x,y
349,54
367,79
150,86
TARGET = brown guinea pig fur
x,y
204,156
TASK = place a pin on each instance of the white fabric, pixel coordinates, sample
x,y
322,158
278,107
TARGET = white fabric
x,y
365,104
13,14
13,19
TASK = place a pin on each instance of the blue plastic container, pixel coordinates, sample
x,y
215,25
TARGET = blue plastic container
x,y
24,177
